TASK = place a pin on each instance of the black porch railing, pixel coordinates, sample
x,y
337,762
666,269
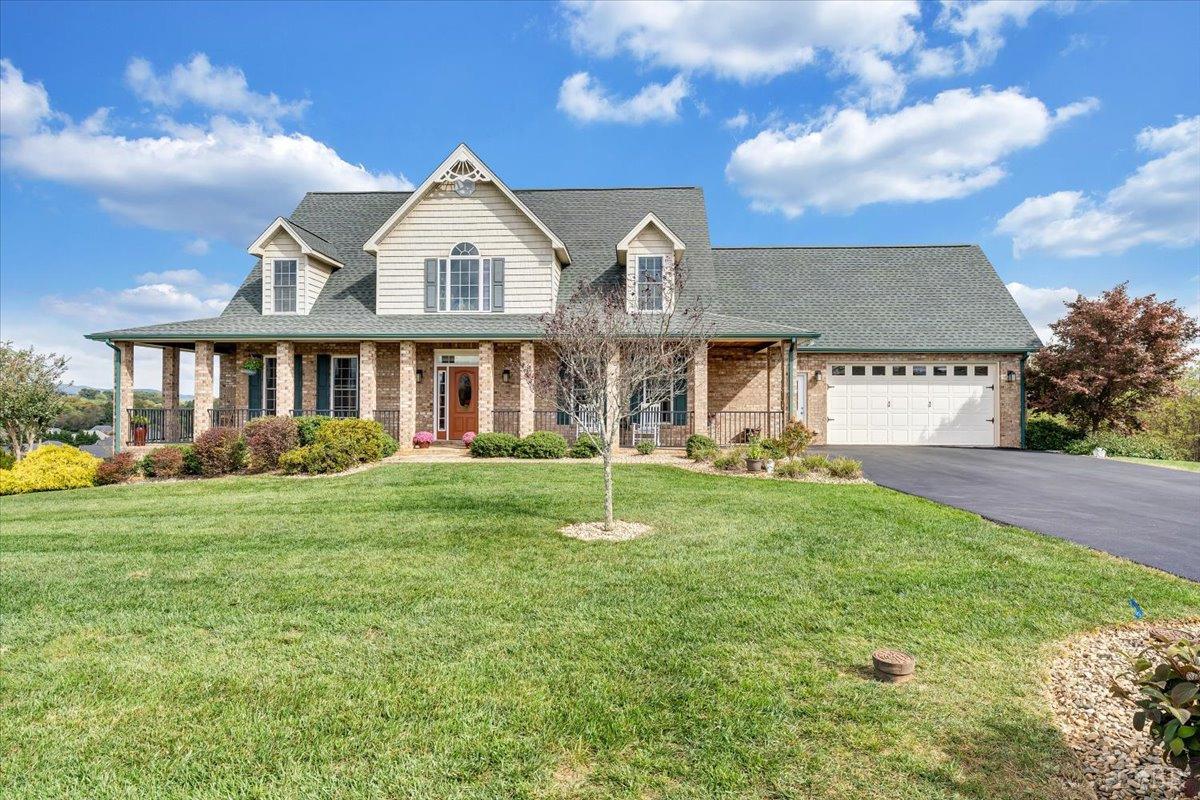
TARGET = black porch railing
x,y
341,413
665,429
163,425
389,418
506,420
739,427
234,417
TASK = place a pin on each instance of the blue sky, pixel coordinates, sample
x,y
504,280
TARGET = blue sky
x,y
143,146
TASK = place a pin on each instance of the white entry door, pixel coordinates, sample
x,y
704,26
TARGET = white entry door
x,y
929,404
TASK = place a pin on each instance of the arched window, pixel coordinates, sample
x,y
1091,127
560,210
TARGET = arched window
x,y
465,278
464,249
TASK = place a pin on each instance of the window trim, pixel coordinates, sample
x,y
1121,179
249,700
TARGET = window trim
x,y
483,297
662,285
270,386
295,287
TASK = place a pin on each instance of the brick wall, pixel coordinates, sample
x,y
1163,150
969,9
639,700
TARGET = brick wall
x,y
741,378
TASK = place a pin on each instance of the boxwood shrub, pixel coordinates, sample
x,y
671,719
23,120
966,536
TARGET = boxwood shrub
x,y
586,446
364,439
1047,432
1135,445
307,427
319,458
494,445
541,444
699,442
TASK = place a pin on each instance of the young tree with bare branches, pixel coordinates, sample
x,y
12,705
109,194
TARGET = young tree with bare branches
x,y
607,351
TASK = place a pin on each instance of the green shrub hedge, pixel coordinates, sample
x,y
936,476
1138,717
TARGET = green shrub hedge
x,y
494,445
219,451
364,439
319,458
1048,432
698,441
586,446
1136,445
164,462
307,427
50,467
541,444
267,438
116,469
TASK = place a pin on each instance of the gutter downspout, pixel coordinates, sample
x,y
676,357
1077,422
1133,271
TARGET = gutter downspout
x,y
1023,357
117,410
791,380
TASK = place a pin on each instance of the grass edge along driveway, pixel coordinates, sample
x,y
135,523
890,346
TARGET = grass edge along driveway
x,y
422,631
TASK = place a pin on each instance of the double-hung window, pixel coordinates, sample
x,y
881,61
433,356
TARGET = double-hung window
x,y
650,283
464,282
345,386
270,382
284,285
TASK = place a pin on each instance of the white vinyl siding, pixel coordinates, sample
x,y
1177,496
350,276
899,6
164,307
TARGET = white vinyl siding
x,y
311,274
486,219
650,242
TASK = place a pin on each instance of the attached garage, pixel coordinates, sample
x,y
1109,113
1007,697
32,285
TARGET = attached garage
x,y
915,404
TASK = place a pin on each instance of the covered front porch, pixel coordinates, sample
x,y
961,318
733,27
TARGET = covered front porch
x,y
735,391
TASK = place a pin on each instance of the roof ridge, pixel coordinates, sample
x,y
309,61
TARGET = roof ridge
x,y
838,246
308,230
530,189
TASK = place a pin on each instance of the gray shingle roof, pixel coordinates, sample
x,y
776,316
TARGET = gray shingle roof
x,y
871,297
921,297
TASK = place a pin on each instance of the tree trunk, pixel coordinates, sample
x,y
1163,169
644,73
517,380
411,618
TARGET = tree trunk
x,y
14,442
608,489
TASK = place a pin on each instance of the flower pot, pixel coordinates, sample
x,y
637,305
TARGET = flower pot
x,y
754,465
139,436
249,371
422,445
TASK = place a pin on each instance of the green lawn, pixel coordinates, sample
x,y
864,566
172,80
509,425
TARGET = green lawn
x,y
421,631
1191,466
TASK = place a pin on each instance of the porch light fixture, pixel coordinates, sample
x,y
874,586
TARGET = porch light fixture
x,y
817,376
420,375
506,376
1010,376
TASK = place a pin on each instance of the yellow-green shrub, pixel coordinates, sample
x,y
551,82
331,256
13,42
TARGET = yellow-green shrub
x,y
54,466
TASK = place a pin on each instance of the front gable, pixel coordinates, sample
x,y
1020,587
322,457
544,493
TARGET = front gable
x,y
464,215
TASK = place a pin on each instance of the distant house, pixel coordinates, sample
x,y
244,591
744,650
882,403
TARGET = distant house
x,y
103,431
102,448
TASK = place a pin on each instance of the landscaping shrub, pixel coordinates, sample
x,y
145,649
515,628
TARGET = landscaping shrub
x,y
586,446
790,469
815,463
702,453
116,469
1166,681
307,427
423,438
468,437
494,445
362,439
267,438
731,460
541,444
220,451
191,462
7,459
165,462
795,438
1047,432
846,468
774,449
645,447
318,458
54,466
698,441
1136,445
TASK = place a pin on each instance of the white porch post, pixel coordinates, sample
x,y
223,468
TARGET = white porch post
x,y
202,402
367,384
487,386
525,391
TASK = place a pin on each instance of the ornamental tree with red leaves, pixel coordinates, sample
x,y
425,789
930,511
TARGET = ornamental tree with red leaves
x,y
1111,358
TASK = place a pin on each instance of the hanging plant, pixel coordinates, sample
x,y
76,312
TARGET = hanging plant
x,y
252,365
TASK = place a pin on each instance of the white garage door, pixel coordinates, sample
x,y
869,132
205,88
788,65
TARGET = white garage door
x,y
941,404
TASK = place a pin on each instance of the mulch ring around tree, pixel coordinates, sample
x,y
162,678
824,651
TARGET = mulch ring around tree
x,y
1118,761
594,531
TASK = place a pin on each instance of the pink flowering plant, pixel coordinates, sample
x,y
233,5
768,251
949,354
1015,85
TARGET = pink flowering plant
x,y
423,439
468,437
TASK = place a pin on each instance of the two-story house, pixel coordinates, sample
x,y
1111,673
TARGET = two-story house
x,y
423,309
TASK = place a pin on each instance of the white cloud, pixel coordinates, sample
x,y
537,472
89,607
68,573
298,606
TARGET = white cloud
x,y
1158,204
196,247
585,100
24,106
221,89
223,178
980,25
1042,305
738,121
949,147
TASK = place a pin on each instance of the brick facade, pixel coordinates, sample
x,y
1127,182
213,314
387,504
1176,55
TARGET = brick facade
x,y
202,401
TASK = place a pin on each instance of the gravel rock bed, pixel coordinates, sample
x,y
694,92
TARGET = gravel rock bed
x,y
594,531
1119,762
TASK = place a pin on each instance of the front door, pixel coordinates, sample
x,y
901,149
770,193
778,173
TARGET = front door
x,y
463,399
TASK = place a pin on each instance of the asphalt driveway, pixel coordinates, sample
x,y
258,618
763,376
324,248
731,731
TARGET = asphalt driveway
x,y
1146,514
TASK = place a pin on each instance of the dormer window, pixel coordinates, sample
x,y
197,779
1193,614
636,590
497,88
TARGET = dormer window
x,y
284,285
465,281
650,283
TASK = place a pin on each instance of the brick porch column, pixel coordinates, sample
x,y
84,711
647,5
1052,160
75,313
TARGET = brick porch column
x,y
308,388
285,378
170,392
407,403
228,383
525,391
698,390
367,385
241,386
487,386
202,402
123,399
